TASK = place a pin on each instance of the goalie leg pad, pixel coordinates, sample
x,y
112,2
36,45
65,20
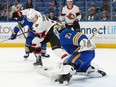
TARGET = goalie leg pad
x,y
60,52
64,76
95,73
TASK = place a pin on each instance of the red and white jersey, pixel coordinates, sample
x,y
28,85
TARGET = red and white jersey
x,y
43,23
70,14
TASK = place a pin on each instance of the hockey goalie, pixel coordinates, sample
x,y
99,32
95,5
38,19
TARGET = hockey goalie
x,y
81,52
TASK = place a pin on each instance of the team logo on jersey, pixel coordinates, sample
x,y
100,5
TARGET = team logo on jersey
x,y
71,16
36,25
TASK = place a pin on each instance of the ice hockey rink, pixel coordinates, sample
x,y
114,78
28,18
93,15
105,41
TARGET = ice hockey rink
x,y
17,72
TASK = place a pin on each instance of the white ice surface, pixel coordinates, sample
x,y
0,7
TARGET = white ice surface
x,y
17,72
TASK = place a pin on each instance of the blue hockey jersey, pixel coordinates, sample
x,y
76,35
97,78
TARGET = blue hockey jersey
x,y
70,40
23,23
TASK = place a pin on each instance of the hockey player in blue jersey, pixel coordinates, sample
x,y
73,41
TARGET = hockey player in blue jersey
x,y
81,52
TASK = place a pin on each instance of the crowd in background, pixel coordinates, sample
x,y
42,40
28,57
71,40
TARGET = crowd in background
x,y
105,11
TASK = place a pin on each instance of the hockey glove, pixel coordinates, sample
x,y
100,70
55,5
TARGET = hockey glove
x,y
17,15
76,20
76,25
13,36
86,45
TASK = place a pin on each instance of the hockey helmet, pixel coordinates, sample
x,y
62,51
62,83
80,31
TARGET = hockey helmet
x,y
69,0
31,13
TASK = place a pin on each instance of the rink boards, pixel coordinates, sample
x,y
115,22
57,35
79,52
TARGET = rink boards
x,y
105,37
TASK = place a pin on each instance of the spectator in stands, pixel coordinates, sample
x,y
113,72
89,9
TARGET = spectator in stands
x,y
105,6
114,17
10,12
71,15
55,4
92,14
51,8
29,4
105,16
52,16
4,4
17,6
3,15
0,9
91,5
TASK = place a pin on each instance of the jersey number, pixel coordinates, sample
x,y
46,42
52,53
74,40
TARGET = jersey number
x,y
44,17
68,35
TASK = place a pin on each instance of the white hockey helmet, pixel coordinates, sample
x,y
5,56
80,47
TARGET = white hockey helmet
x,y
31,13
69,0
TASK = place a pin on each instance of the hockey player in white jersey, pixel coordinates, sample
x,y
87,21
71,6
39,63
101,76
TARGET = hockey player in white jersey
x,y
41,23
42,27
71,15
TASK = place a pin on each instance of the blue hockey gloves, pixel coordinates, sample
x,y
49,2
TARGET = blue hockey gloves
x,y
13,36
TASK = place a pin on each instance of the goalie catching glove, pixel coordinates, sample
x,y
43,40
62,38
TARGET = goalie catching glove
x,y
86,44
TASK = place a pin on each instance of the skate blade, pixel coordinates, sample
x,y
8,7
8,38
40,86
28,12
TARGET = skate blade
x,y
65,83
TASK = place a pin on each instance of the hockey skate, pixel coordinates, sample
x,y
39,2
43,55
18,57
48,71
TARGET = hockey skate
x,y
45,55
26,55
38,61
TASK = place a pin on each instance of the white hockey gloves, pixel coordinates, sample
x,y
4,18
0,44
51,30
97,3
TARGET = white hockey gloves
x,y
86,44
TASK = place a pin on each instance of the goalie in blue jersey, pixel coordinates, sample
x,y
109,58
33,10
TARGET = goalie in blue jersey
x,y
81,52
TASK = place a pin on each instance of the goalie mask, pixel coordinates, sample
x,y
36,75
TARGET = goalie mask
x,y
59,27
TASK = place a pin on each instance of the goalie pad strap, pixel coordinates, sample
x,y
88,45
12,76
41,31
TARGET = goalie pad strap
x,y
64,55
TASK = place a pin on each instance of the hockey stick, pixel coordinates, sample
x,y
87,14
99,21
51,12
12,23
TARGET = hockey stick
x,y
5,40
20,27
95,33
10,38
